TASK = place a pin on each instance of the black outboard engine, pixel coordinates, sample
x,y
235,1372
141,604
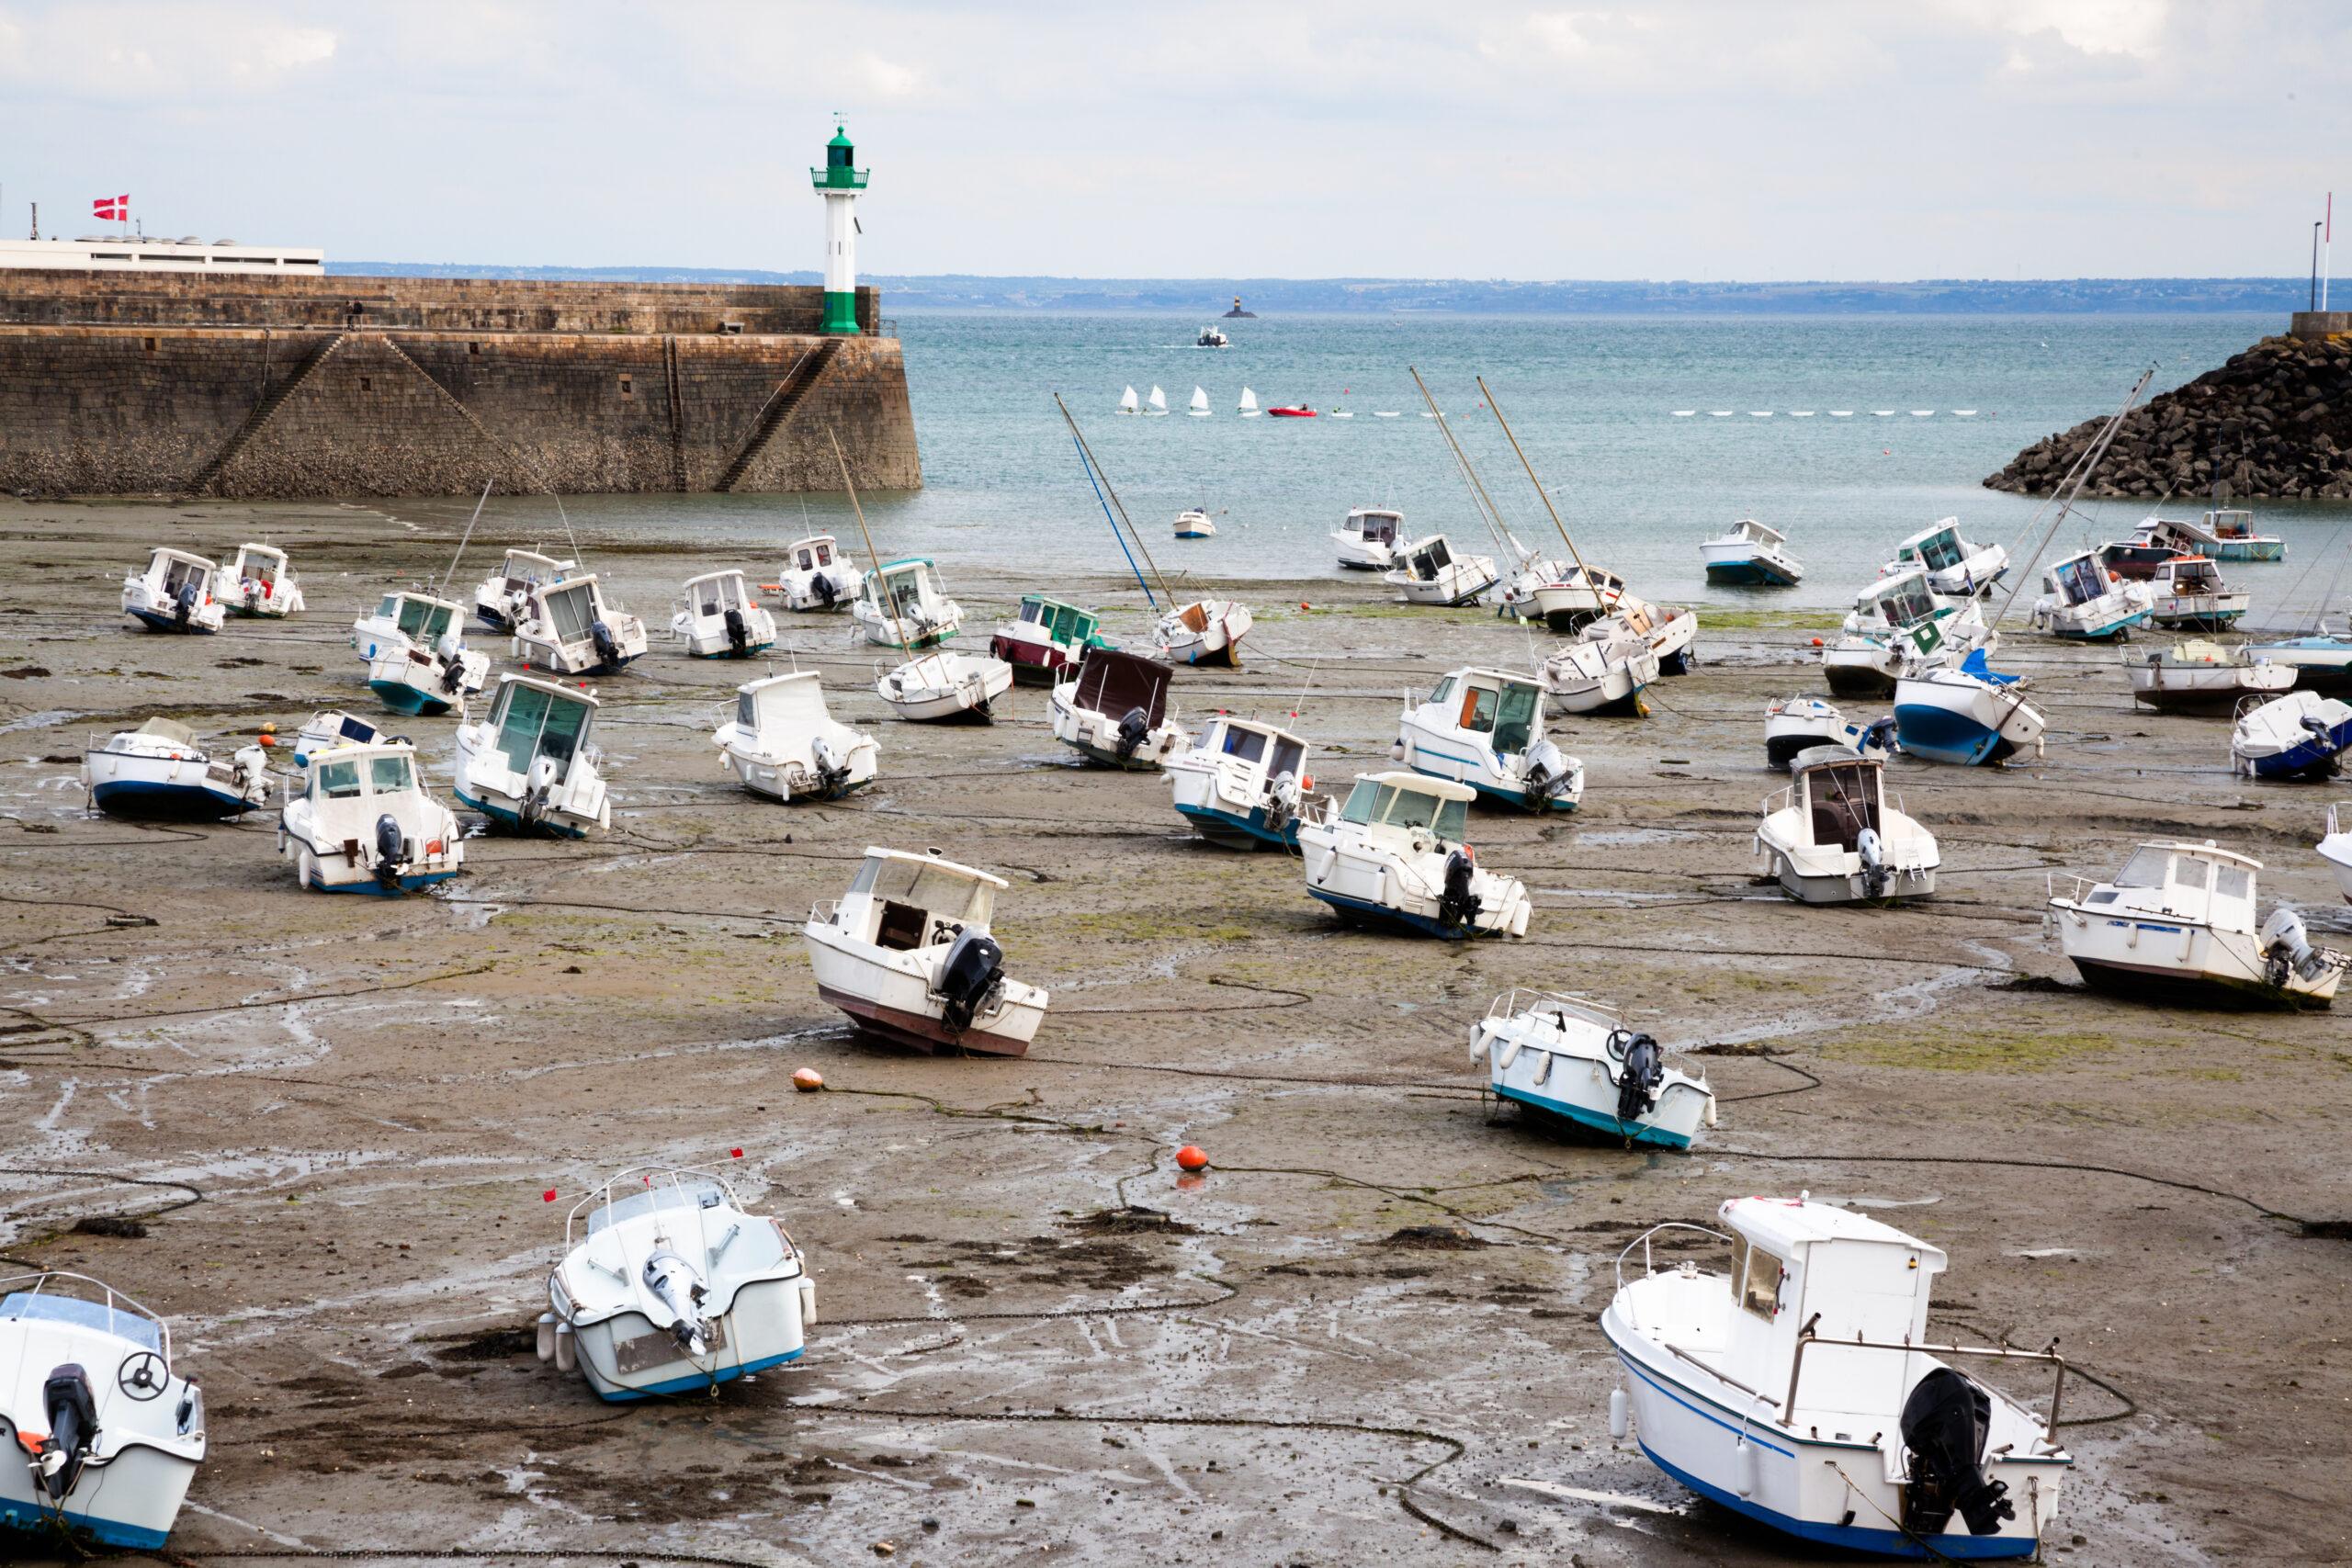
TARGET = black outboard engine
x,y
974,971
183,604
739,635
392,849
72,1412
608,647
1132,730
1457,907
1945,1423
822,587
453,666
1638,1078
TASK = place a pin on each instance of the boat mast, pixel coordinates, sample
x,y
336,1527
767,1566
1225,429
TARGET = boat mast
x,y
2080,474
881,584
1495,409
1102,483
449,576
1487,511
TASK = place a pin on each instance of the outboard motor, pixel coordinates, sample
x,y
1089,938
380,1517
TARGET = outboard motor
x,y
1876,877
1880,737
1457,907
2286,949
1280,802
608,647
1544,771
822,587
453,667
183,604
1945,1423
831,773
72,1412
676,1285
391,850
973,973
536,788
1638,1079
739,635
1132,730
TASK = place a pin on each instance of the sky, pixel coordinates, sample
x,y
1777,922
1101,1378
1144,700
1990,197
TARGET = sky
x,y
1986,139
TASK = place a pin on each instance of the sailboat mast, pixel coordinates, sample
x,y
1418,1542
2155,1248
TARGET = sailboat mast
x,y
1103,488
881,583
1495,409
450,575
2081,475
1485,503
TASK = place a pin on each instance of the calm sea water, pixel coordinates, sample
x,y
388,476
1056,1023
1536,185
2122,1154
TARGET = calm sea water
x,y
1593,400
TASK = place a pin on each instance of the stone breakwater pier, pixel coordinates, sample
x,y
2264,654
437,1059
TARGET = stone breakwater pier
x,y
286,387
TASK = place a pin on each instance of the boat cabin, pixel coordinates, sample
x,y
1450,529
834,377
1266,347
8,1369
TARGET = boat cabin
x,y
353,785
1428,558
526,570
1799,1267
1838,795
2186,575
782,701
1754,533
1374,524
261,565
572,607
1403,803
1114,684
1898,602
1256,745
1502,710
2236,524
169,570
534,718
711,595
2079,580
421,618
907,902
1939,548
1065,625
2184,882
913,594
814,553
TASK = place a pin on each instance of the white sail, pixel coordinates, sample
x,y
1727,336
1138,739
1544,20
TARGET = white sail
x,y
1249,401
1159,401
1200,408
1128,401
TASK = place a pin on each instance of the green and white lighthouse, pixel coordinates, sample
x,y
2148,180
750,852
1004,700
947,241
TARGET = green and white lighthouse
x,y
838,182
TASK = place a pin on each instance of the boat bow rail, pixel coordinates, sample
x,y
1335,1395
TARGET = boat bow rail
x,y
149,1323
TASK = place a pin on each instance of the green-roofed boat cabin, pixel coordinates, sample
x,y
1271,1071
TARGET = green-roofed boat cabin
x,y
1046,638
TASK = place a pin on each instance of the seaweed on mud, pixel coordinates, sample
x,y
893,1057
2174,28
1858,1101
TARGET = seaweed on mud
x,y
495,1345
1133,1220
2033,983
109,1225
1436,1238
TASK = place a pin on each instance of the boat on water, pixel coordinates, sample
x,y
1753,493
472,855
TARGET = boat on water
x,y
363,822
107,1434
1574,1058
159,769
1199,407
670,1284
1129,402
1602,674
2195,674
1900,624
1114,711
2229,534
2177,925
2153,543
817,576
2088,603
1206,632
1157,403
174,592
1211,337
2300,736
1291,410
574,627
1750,554
1832,836
1396,856
1799,1386
417,660
904,605
2323,659
529,766
2191,596
1428,572
1793,725
1484,728
1243,785
1247,408
1045,638
717,616
1969,716
2336,849
500,599
908,954
1194,523
259,583
783,743
1954,567
1367,540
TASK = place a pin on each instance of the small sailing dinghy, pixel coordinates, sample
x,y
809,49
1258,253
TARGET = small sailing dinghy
x,y
365,823
529,767
1955,567
1206,632
670,1284
1603,672
908,954
719,617
1157,403
1243,785
1832,837
1428,572
1750,556
2191,596
158,770
1968,716
817,576
1200,407
1484,728
417,660
1194,523
1797,725
2177,925
2336,849
1367,540
501,597
1868,1438
175,593
1247,408
2199,675
2301,736
106,1435
1128,402
785,745
2088,603
260,583
1114,711
1573,1059
1046,638
902,605
574,627
1396,857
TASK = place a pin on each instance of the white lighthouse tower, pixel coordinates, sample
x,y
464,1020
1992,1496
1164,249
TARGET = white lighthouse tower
x,y
838,182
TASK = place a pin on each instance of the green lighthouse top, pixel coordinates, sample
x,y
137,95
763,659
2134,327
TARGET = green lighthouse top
x,y
839,173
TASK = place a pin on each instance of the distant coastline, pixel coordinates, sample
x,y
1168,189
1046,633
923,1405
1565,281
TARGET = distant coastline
x,y
1387,296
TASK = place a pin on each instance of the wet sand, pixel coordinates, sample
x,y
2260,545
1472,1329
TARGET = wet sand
x,y
1036,1341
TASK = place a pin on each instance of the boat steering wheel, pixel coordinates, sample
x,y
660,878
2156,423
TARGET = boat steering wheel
x,y
141,1376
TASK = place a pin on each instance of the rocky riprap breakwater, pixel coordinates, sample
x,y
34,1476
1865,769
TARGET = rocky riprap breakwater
x,y
2274,423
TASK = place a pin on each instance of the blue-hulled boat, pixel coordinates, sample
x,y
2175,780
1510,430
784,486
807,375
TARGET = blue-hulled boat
x,y
1967,717
1750,556
1242,783
2300,736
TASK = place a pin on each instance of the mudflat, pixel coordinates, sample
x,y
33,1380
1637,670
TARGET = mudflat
x,y
1351,1340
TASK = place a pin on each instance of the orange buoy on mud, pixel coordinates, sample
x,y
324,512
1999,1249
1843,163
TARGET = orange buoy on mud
x,y
1191,1157
808,1080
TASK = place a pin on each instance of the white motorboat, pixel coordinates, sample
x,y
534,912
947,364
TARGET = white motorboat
x,y
2177,925
1955,567
1247,407
817,576
327,729
717,616
782,743
1671,633
1969,716
1428,572
1200,405
260,583
2191,596
175,592
1574,1058
1367,540
1157,403
417,660
1574,598
574,627
1795,725
908,954
2225,535
1194,523
106,1435
942,686
1832,836
2088,603
1484,728
1206,632
2301,736
2336,849
1868,1439
2197,674
1900,625
1604,671
1519,591
1127,401
1211,337
364,823
1045,638
1750,556
670,1284
1396,856
159,769
501,598
1114,710
1243,784
2323,659
903,605
530,767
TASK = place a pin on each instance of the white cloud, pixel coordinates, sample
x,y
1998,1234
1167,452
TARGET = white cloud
x,y
119,52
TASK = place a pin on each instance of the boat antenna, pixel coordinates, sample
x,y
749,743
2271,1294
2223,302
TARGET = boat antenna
x,y
2084,466
1103,490
449,576
1496,409
1478,496
881,585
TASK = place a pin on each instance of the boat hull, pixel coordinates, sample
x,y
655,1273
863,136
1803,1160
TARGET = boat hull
x,y
142,1488
1964,724
1033,663
761,1330
1847,887
168,802
1234,831
509,819
401,697
1363,911
2159,983
1754,573
155,621
917,1031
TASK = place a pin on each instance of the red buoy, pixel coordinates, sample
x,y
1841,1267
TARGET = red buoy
x,y
1191,1157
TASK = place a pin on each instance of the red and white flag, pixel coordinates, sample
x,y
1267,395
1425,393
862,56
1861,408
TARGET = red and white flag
x,y
116,209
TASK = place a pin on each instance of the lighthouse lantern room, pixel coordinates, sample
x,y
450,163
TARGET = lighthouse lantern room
x,y
838,182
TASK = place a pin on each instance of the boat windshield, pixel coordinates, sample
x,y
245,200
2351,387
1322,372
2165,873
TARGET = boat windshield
x,y
72,1310
1373,802
338,780
718,594
1939,551
1906,604
1033,611
1515,717
2145,869
1247,744
928,886
533,722
1844,801
691,1192
1290,757
569,611
388,775
2079,580
1430,561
